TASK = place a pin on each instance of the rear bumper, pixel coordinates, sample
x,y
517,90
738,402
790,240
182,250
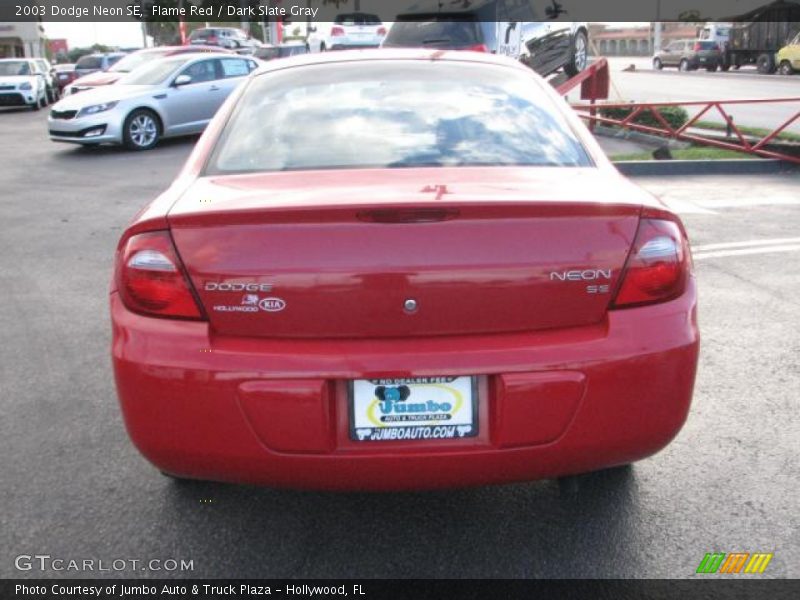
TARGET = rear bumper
x,y
275,412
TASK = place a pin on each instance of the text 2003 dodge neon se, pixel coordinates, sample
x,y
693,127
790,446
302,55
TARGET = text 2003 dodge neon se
x,y
401,269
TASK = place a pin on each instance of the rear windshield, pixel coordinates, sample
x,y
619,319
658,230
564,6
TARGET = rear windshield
x,y
201,34
357,19
89,62
434,34
394,115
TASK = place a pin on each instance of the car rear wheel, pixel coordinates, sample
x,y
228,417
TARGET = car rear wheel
x,y
785,68
657,64
712,68
579,54
141,130
684,65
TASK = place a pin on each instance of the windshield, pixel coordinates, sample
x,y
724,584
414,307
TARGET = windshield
x,y
137,59
89,62
394,115
357,19
14,67
433,34
153,73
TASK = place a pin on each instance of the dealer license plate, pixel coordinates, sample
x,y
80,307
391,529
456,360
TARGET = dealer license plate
x,y
423,408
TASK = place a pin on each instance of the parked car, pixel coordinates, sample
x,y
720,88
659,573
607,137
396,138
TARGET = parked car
x,y
132,61
230,38
96,62
22,83
65,74
348,31
270,52
455,288
689,55
168,97
51,82
542,42
788,57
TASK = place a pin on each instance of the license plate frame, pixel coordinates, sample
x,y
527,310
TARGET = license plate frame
x,y
463,421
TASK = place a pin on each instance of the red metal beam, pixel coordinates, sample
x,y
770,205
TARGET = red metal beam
x,y
637,108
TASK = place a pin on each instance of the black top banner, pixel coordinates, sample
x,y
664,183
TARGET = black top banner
x,y
391,10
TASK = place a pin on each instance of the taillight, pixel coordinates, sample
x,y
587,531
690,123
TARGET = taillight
x,y
337,31
212,40
478,48
658,266
150,278
381,30
697,46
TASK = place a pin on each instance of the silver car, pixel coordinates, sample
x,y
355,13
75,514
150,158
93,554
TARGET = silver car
x,y
168,97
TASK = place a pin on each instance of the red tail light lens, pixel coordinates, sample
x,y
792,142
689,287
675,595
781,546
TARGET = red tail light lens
x,y
151,280
478,48
658,265
337,31
381,30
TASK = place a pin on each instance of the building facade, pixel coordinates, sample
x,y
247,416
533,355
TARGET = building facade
x,y
22,39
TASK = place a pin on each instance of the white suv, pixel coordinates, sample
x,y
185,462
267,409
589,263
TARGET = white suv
x,y
350,30
22,83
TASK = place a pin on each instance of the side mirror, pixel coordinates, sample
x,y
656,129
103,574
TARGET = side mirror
x,y
182,80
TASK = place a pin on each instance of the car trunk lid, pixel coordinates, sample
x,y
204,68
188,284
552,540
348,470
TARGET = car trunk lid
x,y
417,252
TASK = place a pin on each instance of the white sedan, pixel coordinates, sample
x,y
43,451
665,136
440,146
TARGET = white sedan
x,y
169,97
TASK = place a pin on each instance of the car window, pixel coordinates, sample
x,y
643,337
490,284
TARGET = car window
x,y
234,67
113,59
357,19
433,34
89,62
201,71
153,73
15,67
413,115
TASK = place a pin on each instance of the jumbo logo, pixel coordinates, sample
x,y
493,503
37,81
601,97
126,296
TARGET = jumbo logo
x,y
393,404
272,304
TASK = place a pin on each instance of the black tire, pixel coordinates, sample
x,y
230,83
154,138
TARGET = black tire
x,y
657,64
765,63
785,68
712,68
36,105
724,67
322,47
683,65
578,54
141,130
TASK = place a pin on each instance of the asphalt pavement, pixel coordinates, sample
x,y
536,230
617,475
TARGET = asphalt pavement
x,y
73,486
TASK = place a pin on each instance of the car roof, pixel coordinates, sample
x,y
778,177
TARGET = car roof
x,y
390,54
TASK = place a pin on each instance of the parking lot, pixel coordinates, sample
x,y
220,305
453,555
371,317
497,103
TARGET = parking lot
x,y
74,486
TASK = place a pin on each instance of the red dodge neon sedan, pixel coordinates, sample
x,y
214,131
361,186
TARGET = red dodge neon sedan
x,y
401,269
